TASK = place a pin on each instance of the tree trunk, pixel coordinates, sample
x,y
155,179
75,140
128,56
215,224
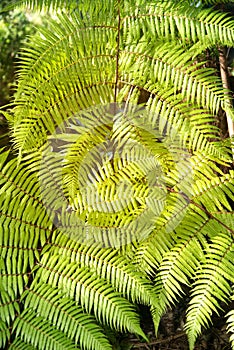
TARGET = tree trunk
x,y
225,81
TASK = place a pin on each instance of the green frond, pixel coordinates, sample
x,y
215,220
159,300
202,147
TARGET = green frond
x,y
109,264
38,332
51,304
176,270
78,73
170,19
71,71
19,344
150,252
4,334
184,120
211,286
93,293
168,67
41,4
9,306
23,224
117,196
214,193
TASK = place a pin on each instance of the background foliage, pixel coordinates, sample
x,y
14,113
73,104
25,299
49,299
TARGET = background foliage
x,y
14,29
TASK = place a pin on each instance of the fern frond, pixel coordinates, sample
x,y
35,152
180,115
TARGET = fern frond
x,y
150,252
92,292
215,193
35,330
212,285
24,223
19,344
109,264
170,66
9,306
4,334
61,61
177,268
68,317
180,118
117,196
70,71
169,19
41,4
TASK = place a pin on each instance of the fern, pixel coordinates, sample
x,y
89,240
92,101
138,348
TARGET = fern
x,y
67,315
117,195
206,294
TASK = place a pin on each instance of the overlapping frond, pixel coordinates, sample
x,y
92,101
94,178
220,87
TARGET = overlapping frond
x,y
19,253
115,267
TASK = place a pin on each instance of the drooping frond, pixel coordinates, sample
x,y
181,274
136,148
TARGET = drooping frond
x,y
176,271
212,285
178,266
92,292
39,332
70,318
